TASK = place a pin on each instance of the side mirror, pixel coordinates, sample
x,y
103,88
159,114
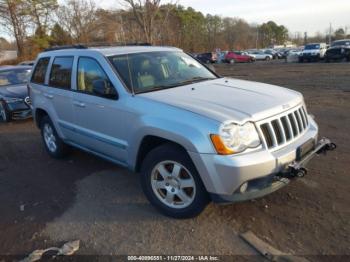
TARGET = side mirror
x,y
104,89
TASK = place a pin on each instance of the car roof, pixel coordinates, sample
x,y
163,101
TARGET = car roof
x,y
341,40
110,51
10,67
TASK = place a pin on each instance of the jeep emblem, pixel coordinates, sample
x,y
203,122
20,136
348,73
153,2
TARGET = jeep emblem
x,y
285,106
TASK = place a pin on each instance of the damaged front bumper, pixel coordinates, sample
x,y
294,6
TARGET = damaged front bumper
x,y
266,185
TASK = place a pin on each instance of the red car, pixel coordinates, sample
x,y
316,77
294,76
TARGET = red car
x,y
238,57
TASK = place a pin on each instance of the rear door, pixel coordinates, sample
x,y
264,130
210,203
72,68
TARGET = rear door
x,y
99,114
59,94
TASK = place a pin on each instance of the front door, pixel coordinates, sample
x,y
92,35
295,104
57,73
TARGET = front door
x,y
99,116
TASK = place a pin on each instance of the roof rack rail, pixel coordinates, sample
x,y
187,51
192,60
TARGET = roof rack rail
x,y
59,47
102,44
98,44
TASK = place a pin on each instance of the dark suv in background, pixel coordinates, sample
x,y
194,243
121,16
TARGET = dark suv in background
x,y
339,51
207,58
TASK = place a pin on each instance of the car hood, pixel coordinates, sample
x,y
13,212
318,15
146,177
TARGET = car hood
x,y
18,91
229,99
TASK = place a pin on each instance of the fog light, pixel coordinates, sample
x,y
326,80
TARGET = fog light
x,y
243,187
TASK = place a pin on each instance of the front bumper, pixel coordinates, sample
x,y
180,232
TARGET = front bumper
x,y
19,109
270,184
223,176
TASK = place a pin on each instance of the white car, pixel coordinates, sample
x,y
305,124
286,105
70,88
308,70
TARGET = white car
x,y
259,55
313,52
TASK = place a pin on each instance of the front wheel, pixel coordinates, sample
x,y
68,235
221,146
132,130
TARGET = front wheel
x,y
267,58
4,113
53,143
172,184
232,61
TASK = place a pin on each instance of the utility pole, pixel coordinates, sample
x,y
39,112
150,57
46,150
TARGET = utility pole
x,y
330,34
257,37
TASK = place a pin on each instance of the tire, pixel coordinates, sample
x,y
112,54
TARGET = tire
x,y
301,60
267,58
5,115
183,201
54,145
232,61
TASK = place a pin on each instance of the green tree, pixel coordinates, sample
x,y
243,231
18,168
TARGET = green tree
x,y
59,36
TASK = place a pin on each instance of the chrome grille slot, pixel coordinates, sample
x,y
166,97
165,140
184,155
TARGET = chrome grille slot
x,y
284,128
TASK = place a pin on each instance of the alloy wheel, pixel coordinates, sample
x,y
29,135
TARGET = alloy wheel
x,y
49,137
173,184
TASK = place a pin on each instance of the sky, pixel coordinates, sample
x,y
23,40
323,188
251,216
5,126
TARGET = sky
x,y
310,16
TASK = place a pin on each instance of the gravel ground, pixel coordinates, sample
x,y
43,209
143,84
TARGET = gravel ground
x,y
46,202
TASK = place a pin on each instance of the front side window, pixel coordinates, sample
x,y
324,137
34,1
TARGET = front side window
x,y
150,71
40,70
90,74
61,72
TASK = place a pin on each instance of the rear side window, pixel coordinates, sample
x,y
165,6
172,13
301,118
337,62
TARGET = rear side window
x,y
61,72
40,70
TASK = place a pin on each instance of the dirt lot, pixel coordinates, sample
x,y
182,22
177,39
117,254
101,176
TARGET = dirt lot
x,y
46,202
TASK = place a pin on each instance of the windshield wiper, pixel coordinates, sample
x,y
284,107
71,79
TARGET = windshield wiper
x,y
157,88
196,80
188,81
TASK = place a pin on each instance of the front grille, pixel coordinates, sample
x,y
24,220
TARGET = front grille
x,y
285,128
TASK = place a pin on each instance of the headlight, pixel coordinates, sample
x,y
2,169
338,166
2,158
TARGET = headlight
x,y
234,138
12,99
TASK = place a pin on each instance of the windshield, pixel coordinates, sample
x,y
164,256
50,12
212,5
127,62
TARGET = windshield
x,y
14,77
310,47
340,43
144,72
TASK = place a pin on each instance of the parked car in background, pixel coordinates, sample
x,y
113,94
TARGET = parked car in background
x,y
28,63
221,56
192,135
342,42
238,57
338,53
207,58
14,99
275,54
313,52
259,55
293,55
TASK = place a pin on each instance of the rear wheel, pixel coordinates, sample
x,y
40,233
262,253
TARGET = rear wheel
x,y
5,115
171,182
232,61
53,143
267,58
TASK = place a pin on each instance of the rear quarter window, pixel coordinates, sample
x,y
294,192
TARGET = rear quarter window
x,y
40,70
61,72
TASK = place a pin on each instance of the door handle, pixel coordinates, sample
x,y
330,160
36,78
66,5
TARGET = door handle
x,y
50,96
78,103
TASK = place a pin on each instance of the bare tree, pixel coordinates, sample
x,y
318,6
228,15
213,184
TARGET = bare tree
x,y
40,12
145,12
14,21
79,18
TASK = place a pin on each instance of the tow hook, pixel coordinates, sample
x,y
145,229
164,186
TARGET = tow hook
x,y
330,146
300,172
297,169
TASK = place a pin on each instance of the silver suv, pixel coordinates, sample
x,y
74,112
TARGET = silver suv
x,y
192,135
